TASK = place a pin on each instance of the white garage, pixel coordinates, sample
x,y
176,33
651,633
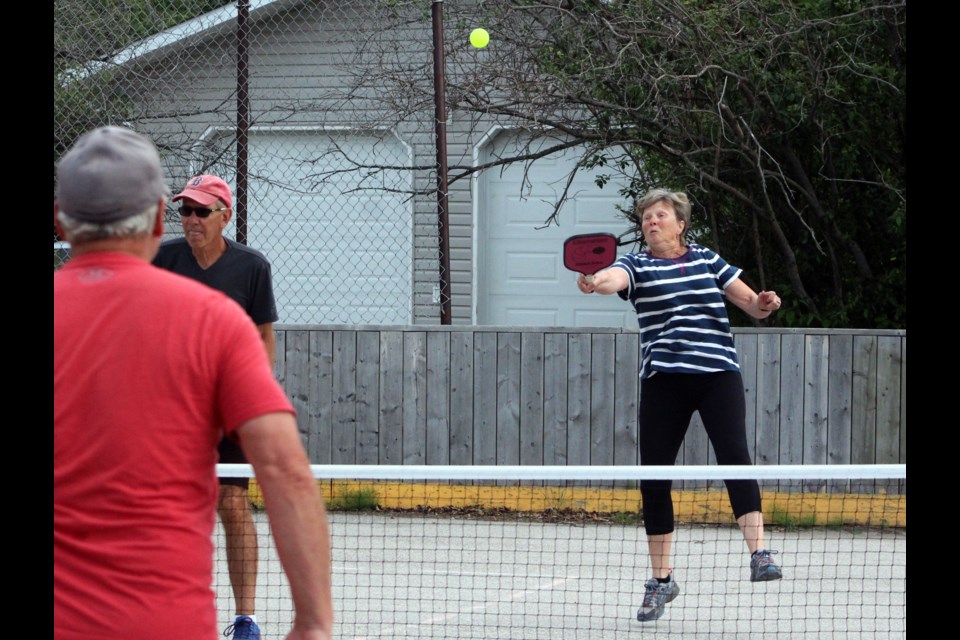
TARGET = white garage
x,y
340,240
520,277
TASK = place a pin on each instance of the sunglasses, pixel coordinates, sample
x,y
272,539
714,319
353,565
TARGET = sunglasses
x,y
186,211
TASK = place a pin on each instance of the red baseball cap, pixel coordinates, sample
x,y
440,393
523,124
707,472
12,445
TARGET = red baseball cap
x,y
206,189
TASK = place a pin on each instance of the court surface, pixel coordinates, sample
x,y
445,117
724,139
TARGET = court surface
x,y
411,576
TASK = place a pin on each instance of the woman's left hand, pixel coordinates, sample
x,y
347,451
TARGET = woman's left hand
x,y
768,301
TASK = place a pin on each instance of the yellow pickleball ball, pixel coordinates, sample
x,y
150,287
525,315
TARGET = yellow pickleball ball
x,y
479,38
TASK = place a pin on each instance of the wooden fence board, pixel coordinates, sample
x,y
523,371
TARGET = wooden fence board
x,y
321,397
555,399
815,403
768,400
791,399
485,398
863,414
368,397
903,400
627,400
415,397
438,398
391,402
293,351
888,400
531,399
746,345
461,398
839,400
578,399
602,396
508,398
344,437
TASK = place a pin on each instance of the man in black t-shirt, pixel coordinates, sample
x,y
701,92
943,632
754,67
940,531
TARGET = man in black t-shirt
x,y
244,274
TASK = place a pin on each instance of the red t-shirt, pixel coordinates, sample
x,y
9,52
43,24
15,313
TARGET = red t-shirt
x,y
149,369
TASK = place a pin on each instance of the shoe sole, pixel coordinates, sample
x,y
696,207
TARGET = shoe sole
x,y
653,615
766,577
656,613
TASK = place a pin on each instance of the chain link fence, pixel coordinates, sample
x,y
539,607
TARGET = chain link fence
x,y
333,184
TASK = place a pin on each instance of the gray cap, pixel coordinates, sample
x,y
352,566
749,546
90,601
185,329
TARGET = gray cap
x,y
109,174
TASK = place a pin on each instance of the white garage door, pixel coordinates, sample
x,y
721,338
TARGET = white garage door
x,y
521,280
340,240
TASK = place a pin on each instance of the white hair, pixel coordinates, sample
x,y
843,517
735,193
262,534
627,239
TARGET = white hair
x,y
79,231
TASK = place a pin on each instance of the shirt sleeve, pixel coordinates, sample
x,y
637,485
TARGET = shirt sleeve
x,y
247,387
726,273
263,305
626,264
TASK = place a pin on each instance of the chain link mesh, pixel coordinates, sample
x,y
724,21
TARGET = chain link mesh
x,y
330,180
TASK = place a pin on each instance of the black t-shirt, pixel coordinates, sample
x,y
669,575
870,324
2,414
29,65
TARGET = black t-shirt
x,y
241,272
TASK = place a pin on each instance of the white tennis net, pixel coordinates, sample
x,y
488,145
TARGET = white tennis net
x,y
510,552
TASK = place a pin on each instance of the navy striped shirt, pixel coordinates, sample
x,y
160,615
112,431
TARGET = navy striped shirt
x,y
681,309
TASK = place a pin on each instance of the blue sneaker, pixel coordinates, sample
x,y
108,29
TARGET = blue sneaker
x,y
658,594
762,566
243,628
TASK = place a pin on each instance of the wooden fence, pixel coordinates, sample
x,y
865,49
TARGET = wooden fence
x,y
553,396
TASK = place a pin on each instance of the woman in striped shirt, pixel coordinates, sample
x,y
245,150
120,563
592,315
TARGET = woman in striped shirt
x,y
688,363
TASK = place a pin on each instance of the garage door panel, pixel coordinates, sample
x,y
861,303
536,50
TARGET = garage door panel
x,y
528,315
544,311
531,317
531,268
523,213
597,213
605,318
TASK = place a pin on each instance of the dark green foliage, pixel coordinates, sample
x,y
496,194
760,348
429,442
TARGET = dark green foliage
x,y
783,120
86,35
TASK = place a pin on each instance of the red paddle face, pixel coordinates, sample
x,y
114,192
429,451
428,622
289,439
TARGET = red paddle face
x,y
589,252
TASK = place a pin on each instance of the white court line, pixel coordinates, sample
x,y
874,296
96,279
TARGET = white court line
x,y
358,567
516,595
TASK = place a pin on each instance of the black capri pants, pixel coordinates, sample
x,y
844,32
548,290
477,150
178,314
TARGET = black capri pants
x,y
667,402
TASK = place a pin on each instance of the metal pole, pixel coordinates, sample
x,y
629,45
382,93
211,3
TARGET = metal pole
x,y
440,114
243,118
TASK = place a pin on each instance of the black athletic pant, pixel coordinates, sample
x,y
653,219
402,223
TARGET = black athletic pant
x,y
667,402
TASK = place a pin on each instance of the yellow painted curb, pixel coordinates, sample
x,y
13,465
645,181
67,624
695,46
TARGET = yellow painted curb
x,y
700,506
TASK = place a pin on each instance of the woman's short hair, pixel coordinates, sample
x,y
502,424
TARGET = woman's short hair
x,y
679,200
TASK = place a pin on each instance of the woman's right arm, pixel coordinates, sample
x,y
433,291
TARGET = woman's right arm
x,y
605,282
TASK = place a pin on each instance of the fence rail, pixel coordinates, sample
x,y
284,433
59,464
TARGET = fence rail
x,y
469,395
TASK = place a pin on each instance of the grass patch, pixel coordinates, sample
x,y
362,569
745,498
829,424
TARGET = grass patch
x,y
364,499
627,518
779,518
787,521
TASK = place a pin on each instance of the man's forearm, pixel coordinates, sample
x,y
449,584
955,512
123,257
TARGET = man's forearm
x,y
297,516
299,524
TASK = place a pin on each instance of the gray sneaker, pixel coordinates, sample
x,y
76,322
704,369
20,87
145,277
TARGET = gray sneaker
x,y
656,597
762,566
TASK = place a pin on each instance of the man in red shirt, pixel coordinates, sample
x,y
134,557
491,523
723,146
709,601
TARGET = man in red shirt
x,y
150,370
